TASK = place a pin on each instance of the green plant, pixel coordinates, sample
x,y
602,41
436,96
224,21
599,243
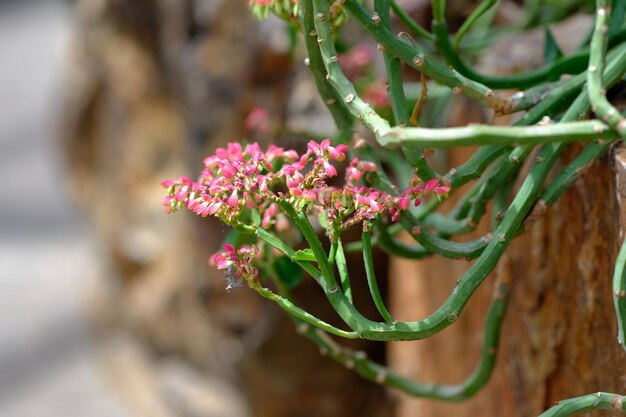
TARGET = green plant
x,y
265,196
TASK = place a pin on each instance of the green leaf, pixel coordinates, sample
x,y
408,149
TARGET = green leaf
x,y
323,219
304,255
237,238
275,242
551,51
288,272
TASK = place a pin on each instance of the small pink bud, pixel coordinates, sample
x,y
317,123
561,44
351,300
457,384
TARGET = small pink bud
x,y
309,194
330,170
375,206
443,189
404,202
228,170
338,153
232,200
431,185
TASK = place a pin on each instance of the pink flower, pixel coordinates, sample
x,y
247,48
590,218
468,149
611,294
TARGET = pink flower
x,y
330,170
434,186
269,216
376,94
238,179
357,61
232,200
261,2
323,149
228,170
404,202
237,264
258,120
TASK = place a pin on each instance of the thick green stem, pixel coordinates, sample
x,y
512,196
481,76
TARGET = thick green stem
x,y
335,74
499,135
370,274
424,63
597,94
384,375
329,95
585,404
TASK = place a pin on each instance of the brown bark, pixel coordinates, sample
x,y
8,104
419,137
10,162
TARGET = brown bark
x,y
559,335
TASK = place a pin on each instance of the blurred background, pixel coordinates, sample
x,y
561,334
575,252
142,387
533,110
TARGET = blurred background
x,y
108,306
47,366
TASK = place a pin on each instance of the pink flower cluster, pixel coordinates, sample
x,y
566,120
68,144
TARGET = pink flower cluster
x,y
237,264
238,182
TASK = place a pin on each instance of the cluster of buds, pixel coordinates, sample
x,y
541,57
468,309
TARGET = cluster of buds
x,y
246,187
243,185
286,9
289,10
237,265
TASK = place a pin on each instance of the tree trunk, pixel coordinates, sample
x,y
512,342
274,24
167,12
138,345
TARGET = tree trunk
x,y
559,334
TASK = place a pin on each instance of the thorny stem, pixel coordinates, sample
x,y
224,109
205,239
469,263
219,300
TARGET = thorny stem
x,y
393,67
500,135
599,104
424,63
329,95
586,403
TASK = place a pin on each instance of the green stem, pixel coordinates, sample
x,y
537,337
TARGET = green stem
x,y
599,103
476,14
342,267
393,67
585,404
476,165
415,27
395,247
370,274
424,63
336,76
301,314
500,135
383,375
331,99
619,294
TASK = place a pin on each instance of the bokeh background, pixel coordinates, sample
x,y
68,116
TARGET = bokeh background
x,y
47,366
109,307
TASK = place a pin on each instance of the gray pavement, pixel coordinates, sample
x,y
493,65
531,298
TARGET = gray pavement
x,y
46,367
